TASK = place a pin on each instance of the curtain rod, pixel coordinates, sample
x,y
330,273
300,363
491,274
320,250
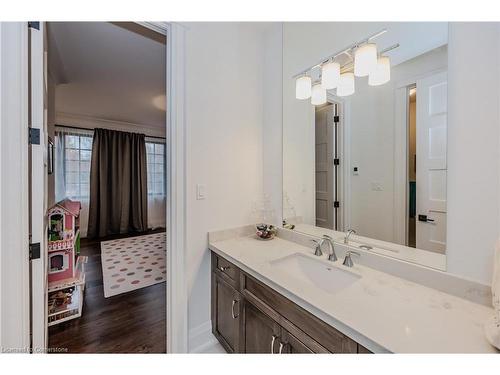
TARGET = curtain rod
x,y
79,128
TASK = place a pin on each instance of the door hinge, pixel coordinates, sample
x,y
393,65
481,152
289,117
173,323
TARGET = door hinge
x,y
336,161
336,204
336,118
34,25
34,250
34,136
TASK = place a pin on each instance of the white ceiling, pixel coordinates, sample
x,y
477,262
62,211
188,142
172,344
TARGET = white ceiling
x,y
107,72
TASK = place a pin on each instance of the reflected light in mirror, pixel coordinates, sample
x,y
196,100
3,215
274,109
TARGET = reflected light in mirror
x,y
346,84
382,72
365,59
160,102
303,87
318,95
330,75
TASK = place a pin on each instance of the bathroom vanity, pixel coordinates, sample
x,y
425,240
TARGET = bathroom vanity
x,y
250,317
278,297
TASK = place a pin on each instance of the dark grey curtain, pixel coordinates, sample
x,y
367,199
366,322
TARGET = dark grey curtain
x,y
118,184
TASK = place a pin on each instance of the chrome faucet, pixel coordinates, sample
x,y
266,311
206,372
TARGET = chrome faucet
x,y
348,234
317,250
347,260
332,256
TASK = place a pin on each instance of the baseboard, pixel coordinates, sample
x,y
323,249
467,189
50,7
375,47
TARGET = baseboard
x,y
201,339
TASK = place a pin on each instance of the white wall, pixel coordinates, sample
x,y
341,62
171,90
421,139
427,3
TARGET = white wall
x,y
89,122
224,120
273,116
473,149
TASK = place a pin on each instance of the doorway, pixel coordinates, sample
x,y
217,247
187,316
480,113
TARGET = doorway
x,y
28,267
78,65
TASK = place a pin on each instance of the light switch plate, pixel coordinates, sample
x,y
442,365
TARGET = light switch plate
x,y
201,191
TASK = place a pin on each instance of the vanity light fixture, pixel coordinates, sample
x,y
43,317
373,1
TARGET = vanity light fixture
x,y
382,72
318,96
303,87
365,59
330,75
346,84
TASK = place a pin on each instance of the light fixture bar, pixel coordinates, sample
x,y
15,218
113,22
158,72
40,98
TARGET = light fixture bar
x,y
341,52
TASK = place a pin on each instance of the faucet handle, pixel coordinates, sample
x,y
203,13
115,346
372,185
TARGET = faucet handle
x,y
317,250
347,260
327,237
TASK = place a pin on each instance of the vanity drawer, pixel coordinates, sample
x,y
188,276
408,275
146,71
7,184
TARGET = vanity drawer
x,y
228,271
292,316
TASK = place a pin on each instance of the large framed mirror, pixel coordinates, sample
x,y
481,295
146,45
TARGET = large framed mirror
x,y
365,134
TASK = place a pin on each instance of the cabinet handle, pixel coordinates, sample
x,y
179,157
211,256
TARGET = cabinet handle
x,y
232,309
281,347
272,344
222,268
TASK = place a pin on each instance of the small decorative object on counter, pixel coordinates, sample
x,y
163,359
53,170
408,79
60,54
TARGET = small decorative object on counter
x,y
266,231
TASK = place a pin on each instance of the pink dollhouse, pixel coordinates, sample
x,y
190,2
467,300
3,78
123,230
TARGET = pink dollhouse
x,y
64,239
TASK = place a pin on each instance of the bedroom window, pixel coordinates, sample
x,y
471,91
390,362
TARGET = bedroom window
x,y
77,152
155,153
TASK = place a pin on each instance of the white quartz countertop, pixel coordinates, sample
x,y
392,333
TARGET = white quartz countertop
x,y
382,312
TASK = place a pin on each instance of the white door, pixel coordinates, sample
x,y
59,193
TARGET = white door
x,y
432,110
38,180
324,167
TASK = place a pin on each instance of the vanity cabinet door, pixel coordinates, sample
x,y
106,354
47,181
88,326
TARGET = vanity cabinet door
x,y
261,332
226,314
291,345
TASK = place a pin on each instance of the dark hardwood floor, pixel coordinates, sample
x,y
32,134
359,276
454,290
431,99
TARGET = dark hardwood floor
x,y
132,322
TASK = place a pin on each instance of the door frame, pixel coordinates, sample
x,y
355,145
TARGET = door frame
x,y
343,136
177,291
177,301
14,264
343,142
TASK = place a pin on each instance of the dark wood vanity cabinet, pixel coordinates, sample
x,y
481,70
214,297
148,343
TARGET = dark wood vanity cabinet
x,y
250,317
226,303
260,331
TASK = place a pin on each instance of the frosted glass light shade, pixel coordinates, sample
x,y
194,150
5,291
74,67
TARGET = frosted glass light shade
x,y
318,96
382,72
346,84
303,87
365,59
330,75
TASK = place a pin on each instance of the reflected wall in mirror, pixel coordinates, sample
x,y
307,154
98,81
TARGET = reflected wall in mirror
x,y
372,160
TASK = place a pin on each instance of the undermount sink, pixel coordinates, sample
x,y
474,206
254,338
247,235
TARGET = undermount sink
x,y
330,278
